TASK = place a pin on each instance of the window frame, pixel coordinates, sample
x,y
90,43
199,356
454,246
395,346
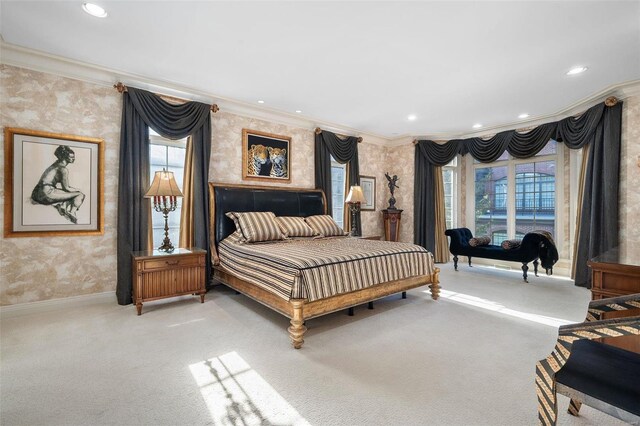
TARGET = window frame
x,y
511,163
155,139
455,184
345,192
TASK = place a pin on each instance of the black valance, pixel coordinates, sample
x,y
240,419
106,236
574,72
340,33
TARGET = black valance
x,y
599,126
142,110
573,132
344,151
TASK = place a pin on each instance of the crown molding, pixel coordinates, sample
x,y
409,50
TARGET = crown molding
x,y
35,60
51,64
621,91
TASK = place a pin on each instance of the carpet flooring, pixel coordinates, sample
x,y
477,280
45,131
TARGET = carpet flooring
x,y
466,359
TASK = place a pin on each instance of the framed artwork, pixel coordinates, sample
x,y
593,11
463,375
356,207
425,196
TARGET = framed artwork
x,y
368,185
54,184
266,156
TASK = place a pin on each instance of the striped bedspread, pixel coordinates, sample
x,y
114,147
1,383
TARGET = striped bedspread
x,y
314,269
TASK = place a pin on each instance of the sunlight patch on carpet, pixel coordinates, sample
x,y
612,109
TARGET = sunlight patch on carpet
x,y
236,394
497,307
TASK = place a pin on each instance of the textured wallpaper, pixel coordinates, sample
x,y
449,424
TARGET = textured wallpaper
x,y
630,182
49,268
35,269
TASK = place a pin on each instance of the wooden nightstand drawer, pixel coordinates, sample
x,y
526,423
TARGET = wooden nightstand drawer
x,y
171,262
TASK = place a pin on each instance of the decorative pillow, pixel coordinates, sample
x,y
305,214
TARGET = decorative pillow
x,y
293,226
511,244
256,226
480,241
324,225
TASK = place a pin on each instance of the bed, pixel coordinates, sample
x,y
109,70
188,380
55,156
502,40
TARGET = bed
x,y
306,278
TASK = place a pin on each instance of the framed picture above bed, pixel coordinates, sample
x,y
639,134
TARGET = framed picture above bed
x,y
368,185
265,156
53,184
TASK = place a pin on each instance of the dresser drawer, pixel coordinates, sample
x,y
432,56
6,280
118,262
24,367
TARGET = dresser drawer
x,y
171,262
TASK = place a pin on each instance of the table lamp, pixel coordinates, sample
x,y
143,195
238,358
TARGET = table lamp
x,y
354,199
164,191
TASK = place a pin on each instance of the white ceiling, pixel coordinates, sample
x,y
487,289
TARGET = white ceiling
x,y
364,65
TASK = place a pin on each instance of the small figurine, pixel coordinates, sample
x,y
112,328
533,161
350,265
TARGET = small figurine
x,y
392,186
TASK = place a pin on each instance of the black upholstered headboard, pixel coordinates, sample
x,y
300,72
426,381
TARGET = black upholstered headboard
x,y
281,201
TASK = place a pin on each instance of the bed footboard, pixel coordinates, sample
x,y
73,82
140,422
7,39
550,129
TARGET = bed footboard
x,y
300,310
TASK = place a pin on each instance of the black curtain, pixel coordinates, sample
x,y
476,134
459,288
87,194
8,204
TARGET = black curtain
x,y
344,151
599,126
424,217
141,110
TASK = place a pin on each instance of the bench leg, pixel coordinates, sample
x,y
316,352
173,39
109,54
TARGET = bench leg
x,y
404,294
535,267
525,268
469,261
574,407
455,262
350,311
370,305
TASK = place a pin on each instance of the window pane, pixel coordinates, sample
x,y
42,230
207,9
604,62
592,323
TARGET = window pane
x,y
549,148
490,208
535,197
172,159
338,172
447,177
158,155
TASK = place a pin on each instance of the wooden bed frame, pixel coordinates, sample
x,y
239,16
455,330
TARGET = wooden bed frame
x,y
300,310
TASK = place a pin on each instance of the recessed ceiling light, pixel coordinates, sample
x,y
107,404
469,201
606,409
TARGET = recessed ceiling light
x,y
94,10
523,115
261,101
576,70
299,111
412,117
477,126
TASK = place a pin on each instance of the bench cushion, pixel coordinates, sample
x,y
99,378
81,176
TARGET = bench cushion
x,y
604,372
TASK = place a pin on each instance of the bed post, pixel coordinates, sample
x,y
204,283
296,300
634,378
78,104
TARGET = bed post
x,y
297,328
434,286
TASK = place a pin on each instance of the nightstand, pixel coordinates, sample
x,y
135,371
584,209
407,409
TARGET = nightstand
x,y
158,275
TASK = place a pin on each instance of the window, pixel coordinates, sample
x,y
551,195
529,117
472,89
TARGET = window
x,y
490,209
513,196
338,186
167,154
449,180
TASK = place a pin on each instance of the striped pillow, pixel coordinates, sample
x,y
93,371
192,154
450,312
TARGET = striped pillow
x,y
293,226
324,225
256,226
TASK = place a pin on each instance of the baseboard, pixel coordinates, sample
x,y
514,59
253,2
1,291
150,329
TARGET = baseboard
x,y
53,304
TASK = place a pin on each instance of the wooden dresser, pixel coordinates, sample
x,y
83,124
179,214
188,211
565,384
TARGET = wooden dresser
x,y
611,277
157,275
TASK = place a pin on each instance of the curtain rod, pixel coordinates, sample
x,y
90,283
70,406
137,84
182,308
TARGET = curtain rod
x,y
120,87
319,130
610,101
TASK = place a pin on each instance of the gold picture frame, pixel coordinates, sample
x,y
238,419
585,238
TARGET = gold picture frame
x,y
266,156
42,196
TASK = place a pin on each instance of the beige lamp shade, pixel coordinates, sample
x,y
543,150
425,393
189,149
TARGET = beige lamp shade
x,y
355,195
164,184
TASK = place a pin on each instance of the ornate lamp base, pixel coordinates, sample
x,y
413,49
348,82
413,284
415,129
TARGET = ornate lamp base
x,y
165,208
355,230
